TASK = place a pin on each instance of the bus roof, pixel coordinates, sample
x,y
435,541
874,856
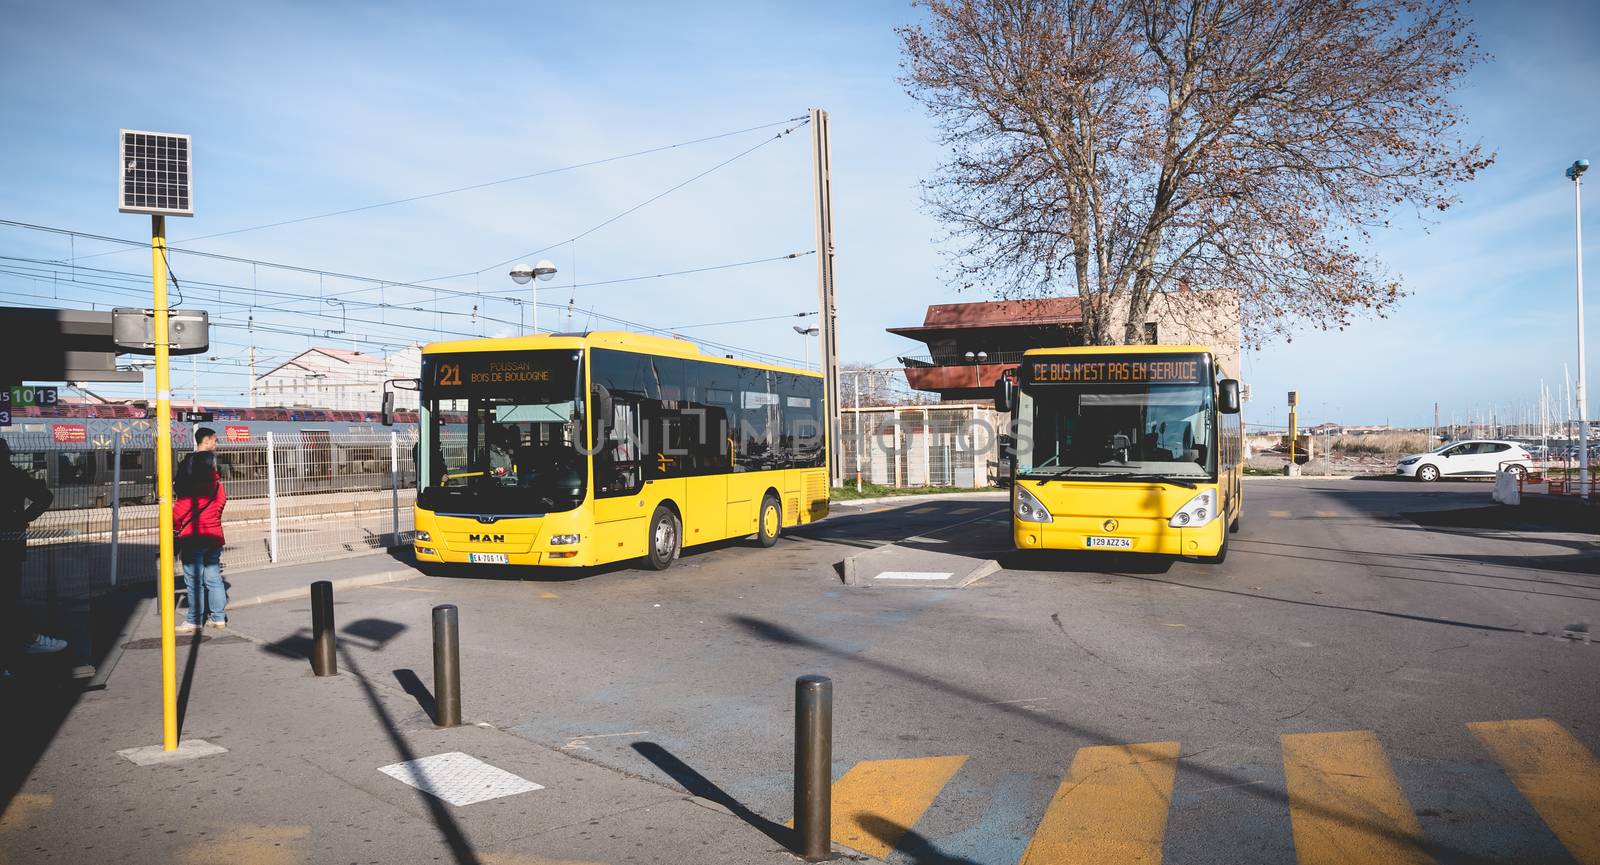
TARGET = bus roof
x,y
621,340
1122,349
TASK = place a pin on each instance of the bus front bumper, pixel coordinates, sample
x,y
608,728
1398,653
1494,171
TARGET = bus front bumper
x,y
1130,536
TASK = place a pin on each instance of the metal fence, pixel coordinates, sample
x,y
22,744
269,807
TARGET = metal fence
x,y
292,497
915,446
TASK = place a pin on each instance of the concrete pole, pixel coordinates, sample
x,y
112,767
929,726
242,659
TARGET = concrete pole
x,y
828,315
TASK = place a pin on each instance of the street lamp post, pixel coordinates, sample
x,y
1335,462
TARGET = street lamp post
x,y
977,359
805,342
522,274
1575,174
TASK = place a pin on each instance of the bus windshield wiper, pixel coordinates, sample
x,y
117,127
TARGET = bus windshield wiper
x,y
1132,476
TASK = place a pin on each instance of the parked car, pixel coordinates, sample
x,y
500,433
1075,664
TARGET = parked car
x,y
1479,458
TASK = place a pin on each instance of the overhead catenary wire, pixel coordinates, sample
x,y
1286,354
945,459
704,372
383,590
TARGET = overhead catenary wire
x,y
474,186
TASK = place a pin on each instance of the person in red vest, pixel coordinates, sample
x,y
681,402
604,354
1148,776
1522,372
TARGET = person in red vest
x,y
197,506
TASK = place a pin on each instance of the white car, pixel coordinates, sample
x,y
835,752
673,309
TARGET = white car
x,y
1479,458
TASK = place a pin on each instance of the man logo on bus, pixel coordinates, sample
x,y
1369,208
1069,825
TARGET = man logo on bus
x,y
1110,525
486,539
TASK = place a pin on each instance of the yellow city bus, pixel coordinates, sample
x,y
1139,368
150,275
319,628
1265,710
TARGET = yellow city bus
x,y
576,450
1126,448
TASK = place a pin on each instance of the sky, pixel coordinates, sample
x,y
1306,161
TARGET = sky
x,y
298,109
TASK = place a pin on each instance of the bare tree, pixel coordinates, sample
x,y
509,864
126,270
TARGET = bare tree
x,y
1149,154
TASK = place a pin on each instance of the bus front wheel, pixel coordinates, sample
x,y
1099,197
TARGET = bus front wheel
x,y
665,536
770,521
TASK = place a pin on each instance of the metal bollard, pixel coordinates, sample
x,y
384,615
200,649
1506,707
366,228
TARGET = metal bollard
x,y
324,651
813,766
446,667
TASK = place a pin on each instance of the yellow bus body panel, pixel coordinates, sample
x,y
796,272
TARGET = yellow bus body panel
x,y
712,507
1140,511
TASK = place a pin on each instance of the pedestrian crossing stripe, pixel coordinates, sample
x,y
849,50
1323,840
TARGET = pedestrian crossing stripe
x,y
1555,773
878,801
1112,807
1346,804
959,511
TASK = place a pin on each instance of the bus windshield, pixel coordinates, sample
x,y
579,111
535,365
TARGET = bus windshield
x,y
500,432
1139,430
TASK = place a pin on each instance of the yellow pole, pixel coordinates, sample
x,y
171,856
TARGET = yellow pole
x,y
164,586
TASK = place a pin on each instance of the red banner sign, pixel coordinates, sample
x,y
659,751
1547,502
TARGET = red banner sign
x,y
70,432
237,433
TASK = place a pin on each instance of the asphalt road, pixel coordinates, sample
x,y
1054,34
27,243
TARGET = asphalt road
x,y
1307,700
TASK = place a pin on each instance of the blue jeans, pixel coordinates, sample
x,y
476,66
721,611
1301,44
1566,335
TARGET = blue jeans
x,y
202,576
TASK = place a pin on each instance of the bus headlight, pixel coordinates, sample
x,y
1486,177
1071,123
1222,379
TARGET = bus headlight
x,y
424,536
1197,511
1029,509
560,540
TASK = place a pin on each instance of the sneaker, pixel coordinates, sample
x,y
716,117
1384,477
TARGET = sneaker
x,y
186,628
219,624
42,645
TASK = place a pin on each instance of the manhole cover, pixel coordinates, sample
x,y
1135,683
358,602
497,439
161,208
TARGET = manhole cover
x,y
185,640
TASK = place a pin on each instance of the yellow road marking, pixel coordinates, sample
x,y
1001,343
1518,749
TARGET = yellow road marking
x,y
1555,773
1345,803
1282,515
1111,808
921,511
258,845
1328,513
878,801
22,810
965,511
550,596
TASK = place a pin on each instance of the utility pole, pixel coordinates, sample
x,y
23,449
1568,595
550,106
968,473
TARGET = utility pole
x,y
1435,422
252,372
859,438
822,187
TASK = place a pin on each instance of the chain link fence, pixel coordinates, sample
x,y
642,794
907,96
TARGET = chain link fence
x,y
292,497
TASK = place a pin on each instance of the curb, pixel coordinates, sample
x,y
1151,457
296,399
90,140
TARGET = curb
x,y
299,592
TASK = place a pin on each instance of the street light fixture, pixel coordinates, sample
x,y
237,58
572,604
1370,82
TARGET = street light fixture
x,y
805,345
1575,174
522,274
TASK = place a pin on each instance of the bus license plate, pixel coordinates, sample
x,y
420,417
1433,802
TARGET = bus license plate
x,y
1112,543
487,558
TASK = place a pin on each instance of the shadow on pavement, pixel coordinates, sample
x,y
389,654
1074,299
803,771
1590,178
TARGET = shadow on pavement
x,y
449,830
1073,561
916,848
41,693
411,684
775,633
701,787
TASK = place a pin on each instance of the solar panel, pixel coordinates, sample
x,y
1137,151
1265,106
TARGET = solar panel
x,y
155,174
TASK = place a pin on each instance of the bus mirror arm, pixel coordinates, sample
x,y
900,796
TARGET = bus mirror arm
x,y
1228,396
389,387
1005,395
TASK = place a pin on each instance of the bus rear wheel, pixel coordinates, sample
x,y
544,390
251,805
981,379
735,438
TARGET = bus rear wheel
x,y
769,521
665,538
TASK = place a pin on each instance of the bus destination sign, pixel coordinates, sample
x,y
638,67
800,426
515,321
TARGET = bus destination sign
x,y
482,373
1119,369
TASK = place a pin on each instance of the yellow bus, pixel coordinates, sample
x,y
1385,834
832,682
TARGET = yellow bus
x,y
576,450
1126,448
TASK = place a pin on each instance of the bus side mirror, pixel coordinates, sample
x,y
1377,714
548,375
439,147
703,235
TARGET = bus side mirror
x,y
388,407
1005,395
1228,396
